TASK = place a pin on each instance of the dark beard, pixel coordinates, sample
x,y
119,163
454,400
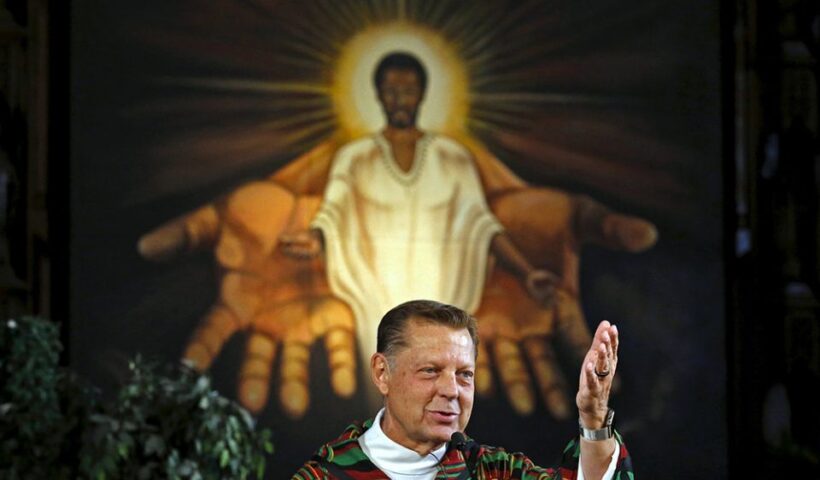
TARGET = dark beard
x,y
405,121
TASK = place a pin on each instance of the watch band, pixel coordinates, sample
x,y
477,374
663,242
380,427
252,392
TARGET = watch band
x,y
604,433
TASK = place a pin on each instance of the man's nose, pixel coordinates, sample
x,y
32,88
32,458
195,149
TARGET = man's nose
x,y
448,385
405,99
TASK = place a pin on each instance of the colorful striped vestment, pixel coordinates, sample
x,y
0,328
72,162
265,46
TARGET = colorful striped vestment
x,y
343,459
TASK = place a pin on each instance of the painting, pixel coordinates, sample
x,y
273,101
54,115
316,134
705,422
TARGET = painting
x,y
254,183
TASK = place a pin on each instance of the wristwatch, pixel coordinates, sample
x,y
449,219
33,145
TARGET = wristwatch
x,y
601,433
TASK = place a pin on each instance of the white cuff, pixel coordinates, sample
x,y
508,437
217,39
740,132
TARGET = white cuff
x,y
610,471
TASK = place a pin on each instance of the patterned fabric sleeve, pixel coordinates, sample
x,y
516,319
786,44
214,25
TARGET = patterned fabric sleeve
x,y
498,463
310,471
623,469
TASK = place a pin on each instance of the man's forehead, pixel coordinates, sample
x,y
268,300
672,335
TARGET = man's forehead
x,y
420,330
401,73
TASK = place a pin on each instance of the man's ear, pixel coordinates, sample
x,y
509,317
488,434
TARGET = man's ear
x,y
380,372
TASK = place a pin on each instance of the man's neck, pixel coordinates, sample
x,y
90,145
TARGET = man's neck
x,y
402,135
403,145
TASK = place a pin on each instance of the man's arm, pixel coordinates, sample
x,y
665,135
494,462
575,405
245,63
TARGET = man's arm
x,y
310,471
593,399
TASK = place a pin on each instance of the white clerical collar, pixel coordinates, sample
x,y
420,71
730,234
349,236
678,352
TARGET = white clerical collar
x,y
397,461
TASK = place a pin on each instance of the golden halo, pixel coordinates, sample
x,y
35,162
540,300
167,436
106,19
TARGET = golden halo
x,y
446,101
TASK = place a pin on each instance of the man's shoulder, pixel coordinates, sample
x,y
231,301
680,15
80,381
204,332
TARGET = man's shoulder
x,y
357,145
349,439
340,453
448,145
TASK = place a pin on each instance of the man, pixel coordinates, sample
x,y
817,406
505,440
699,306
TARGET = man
x,y
404,215
424,368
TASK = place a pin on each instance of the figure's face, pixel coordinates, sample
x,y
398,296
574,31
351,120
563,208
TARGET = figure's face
x,y
429,391
400,94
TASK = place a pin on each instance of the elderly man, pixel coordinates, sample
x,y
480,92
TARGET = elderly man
x,y
424,368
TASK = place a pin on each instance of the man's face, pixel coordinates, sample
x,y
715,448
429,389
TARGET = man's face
x,y
400,94
429,391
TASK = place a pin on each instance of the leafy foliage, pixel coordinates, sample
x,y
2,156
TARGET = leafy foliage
x,y
174,426
30,411
165,423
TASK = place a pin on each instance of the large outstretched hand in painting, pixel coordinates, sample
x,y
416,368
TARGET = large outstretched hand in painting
x,y
282,302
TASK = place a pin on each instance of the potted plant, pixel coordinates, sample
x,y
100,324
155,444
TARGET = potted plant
x,y
165,422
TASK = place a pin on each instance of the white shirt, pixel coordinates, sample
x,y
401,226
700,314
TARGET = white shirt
x,y
397,461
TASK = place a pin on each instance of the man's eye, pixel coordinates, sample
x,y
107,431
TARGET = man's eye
x,y
467,374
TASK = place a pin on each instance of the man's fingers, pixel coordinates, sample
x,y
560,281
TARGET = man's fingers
x,y
592,382
483,373
602,363
601,333
217,326
293,394
549,379
607,341
615,341
514,375
255,373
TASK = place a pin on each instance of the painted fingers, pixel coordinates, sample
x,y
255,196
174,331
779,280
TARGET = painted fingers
x,y
296,326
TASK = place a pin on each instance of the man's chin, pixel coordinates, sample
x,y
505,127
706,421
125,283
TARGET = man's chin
x,y
401,121
442,434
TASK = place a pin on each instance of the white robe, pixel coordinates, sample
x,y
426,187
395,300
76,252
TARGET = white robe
x,y
393,236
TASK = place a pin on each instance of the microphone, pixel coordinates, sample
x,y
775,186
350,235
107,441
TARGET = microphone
x,y
459,441
469,450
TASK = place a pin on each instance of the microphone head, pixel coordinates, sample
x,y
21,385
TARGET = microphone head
x,y
458,440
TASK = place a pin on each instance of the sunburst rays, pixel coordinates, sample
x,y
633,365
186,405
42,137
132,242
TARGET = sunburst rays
x,y
517,79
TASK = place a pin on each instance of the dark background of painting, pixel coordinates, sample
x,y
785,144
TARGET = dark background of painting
x,y
659,62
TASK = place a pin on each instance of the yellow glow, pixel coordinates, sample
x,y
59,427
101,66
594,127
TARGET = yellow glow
x,y
445,105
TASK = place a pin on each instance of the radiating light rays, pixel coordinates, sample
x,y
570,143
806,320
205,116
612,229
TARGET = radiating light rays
x,y
482,37
499,70
534,99
306,120
241,85
598,172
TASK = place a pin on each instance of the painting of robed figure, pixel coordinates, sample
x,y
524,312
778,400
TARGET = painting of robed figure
x,y
404,214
